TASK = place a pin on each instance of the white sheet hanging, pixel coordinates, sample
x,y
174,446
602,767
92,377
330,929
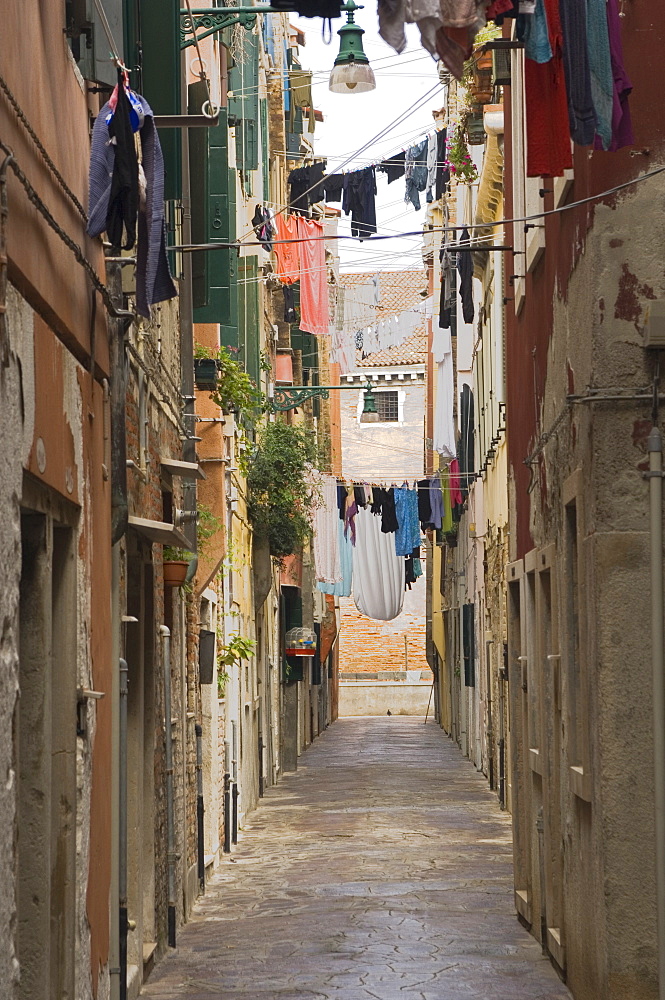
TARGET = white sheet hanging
x,y
378,574
326,545
444,421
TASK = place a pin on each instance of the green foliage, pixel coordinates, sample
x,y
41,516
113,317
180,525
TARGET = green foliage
x,y
280,493
206,526
458,158
235,391
238,648
172,554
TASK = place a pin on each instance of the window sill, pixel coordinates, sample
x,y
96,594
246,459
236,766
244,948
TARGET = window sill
x,y
522,904
580,783
535,760
556,947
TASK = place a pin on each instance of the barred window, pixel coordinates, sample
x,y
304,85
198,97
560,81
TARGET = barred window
x,y
386,405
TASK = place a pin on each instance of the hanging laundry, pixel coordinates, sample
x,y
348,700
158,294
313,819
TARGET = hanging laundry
x,y
378,573
342,589
432,147
447,294
465,271
442,170
359,201
622,127
124,196
306,187
443,441
581,116
313,277
547,132
415,173
391,23
290,314
153,276
436,501
334,187
310,8
407,536
300,85
536,39
424,504
393,167
263,227
287,248
600,67
466,442
325,522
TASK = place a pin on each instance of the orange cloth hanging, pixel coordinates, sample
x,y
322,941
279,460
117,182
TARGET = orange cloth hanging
x,y
314,301
288,257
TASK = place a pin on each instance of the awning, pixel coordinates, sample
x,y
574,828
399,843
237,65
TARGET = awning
x,y
161,532
186,470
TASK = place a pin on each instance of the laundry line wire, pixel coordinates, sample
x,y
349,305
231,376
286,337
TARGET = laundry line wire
x,y
396,121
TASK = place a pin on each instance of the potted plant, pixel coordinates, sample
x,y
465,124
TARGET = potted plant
x,y
205,369
458,158
175,563
229,385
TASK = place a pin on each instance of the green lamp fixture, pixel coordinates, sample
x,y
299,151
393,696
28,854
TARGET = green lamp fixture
x,y
352,73
370,413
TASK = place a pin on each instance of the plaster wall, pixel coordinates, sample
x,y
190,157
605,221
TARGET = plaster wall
x,y
381,697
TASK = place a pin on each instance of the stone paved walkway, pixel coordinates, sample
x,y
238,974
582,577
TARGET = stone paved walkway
x,y
380,870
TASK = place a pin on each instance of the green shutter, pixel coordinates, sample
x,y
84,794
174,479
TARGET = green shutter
x,y
244,104
265,162
248,314
160,42
214,272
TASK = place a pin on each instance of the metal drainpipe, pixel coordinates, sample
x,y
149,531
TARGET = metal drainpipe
x,y
4,214
490,731
170,828
199,807
655,475
234,789
122,828
227,797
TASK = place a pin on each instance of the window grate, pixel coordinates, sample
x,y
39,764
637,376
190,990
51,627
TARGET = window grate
x,y
387,406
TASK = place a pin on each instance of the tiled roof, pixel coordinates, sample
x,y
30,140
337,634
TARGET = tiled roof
x,y
398,290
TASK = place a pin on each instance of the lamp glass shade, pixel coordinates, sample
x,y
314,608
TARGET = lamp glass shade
x,y
370,414
352,78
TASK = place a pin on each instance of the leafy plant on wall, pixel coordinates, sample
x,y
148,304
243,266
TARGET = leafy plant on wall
x,y
234,391
281,493
238,648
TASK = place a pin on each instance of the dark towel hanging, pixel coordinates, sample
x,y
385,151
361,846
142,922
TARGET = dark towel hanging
x,y
124,197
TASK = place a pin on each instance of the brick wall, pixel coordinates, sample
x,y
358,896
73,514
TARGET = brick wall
x,y
368,647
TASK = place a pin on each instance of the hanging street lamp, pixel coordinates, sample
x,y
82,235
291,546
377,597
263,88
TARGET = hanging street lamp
x,y
352,73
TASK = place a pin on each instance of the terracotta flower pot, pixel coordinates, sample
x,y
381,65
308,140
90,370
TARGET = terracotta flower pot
x,y
175,571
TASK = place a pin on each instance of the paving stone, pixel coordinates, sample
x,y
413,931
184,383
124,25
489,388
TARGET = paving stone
x,y
381,869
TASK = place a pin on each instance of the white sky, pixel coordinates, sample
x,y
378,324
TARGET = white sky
x,y
350,121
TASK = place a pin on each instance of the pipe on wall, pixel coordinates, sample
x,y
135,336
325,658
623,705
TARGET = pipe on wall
x,y
655,475
122,829
200,808
170,823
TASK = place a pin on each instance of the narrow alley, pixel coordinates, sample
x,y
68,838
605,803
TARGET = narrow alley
x,y
381,869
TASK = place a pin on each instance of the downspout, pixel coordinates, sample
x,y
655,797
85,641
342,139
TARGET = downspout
x,y
114,943
170,828
4,213
655,475
118,364
122,829
199,808
490,732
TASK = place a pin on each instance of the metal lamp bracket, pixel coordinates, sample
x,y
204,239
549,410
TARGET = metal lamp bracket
x,y
215,19
289,397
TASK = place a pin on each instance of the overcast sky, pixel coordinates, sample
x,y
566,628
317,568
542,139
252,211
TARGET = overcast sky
x,y
352,120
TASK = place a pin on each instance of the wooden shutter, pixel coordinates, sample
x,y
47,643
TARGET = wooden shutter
x,y
248,318
244,104
160,44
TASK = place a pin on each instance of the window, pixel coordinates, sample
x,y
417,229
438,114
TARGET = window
x,y
387,406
